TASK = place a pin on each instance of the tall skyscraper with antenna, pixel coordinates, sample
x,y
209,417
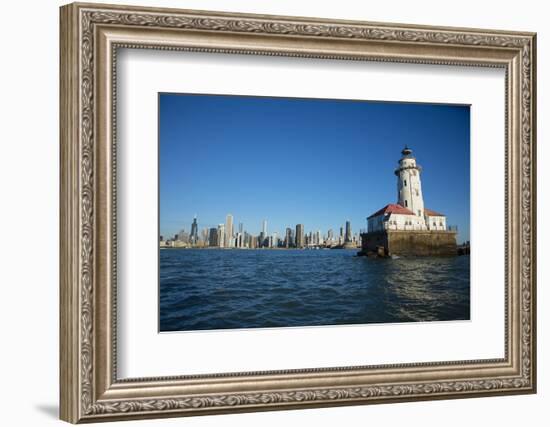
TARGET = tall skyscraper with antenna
x,y
194,235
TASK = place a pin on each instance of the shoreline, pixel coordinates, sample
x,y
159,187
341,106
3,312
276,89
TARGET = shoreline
x,y
256,249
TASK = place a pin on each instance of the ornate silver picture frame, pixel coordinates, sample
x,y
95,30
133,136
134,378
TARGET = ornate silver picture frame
x,y
91,35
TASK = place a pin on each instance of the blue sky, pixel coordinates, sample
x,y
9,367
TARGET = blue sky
x,y
312,161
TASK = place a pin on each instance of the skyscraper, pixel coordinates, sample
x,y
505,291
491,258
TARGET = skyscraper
x,y
229,231
204,236
263,238
221,235
347,237
194,235
213,237
239,240
300,241
318,238
274,240
288,237
182,236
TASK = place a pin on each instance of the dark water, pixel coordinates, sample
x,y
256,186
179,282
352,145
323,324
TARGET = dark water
x,y
225,289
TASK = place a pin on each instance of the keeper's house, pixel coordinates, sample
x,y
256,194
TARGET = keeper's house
x,y
407,227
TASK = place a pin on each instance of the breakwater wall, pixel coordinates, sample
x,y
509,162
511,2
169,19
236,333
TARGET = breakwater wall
x,y
409,243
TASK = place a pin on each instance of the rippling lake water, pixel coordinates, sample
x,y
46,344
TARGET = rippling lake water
x,y
226,289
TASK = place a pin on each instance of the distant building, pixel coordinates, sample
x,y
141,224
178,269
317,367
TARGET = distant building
x,y
239,240
221,235
318,238
349,241
347,236
213,237
166,243
204,236
228,241
182,236
273,240
300,238
288,238
194,235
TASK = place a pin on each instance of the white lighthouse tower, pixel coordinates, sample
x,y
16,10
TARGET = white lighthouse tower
x,y
409,186
407,227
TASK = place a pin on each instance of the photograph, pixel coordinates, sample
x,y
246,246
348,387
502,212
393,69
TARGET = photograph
x,y
278,208
296,212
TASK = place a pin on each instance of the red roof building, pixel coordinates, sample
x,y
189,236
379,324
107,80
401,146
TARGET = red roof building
x,y
392,208
429,212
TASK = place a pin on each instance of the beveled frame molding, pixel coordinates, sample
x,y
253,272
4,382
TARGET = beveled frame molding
x,y
90,36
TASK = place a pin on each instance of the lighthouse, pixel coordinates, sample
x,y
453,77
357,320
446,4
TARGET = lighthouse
x,y
409,186
407,227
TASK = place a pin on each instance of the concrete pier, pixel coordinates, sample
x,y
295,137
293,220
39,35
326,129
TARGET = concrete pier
x,y
409,243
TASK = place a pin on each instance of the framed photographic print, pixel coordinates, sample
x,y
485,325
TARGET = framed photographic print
x,y
264,212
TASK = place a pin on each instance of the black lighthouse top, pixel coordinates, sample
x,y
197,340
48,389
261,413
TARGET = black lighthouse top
x,y
406,151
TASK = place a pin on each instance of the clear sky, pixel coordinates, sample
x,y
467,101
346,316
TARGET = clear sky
x,y
312,161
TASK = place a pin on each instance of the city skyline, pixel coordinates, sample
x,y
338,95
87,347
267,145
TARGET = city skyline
x,y
311,161
297,235
262,227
